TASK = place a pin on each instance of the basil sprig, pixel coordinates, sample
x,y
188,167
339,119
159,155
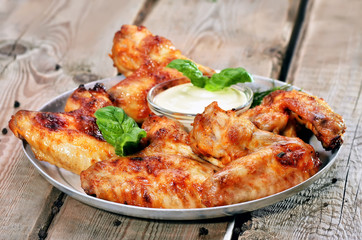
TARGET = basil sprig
x,y
259,95
119,130
218,81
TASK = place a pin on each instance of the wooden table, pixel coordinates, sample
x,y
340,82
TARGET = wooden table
x,y
48,47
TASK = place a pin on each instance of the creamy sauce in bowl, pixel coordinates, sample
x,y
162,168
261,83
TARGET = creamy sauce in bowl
x,y
189,99
178,99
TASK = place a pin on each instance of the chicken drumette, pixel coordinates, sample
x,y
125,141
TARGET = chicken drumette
x,y
166,174
255,163
142,57
280,111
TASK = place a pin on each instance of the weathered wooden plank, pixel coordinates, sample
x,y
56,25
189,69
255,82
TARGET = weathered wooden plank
x,y
327,63
43,44
89,222
219,34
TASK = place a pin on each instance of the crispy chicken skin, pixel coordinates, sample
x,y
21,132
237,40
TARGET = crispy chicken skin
x,y
135,46
253,158
221,136
159,181
165,136
225,159
67,140
168,137
88,101
131,93
274,112
142,57
166,175
271,120
163,175
268,171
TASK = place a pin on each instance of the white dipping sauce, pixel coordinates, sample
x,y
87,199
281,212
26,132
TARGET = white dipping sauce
x,y
187,98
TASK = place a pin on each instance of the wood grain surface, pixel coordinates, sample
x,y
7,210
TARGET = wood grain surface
x,y
206,32
328,63
48,47
221,34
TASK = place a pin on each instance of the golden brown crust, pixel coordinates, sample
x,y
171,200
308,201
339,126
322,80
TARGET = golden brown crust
x,y
170,171
67,140
218,141
159,181
131,93
87,102
311,111
166,174
142,57
258,175
252,159
222,136
135,46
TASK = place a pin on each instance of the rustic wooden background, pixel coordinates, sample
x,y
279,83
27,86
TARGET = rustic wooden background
x,y
48,47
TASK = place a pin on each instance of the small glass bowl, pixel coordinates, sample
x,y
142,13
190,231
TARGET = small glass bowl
x,y
187,118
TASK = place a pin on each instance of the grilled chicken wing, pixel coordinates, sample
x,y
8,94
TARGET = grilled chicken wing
x,y
262,173
280,106
163,175
131,93
244,162
157,181
142,57
257,163
221,136
165,136
67,140
88,101
135,46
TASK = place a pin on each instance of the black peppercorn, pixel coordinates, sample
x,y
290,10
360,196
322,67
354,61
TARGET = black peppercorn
x,y
16,104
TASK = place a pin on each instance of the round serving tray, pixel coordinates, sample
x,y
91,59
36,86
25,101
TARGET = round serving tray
x,y
69,183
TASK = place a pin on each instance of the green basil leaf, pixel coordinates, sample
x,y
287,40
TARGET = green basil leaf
x,y
129,142
218,81
227,78
189,70
259,95
119,130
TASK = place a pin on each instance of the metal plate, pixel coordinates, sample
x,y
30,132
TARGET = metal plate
x,y
69,183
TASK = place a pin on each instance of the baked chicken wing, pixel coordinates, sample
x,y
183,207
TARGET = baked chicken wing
x,y
221,136
130,94
166,174
135,46
142,57
281,107
256,163
166,137
68,140
159,181
225,159
262,173
88,101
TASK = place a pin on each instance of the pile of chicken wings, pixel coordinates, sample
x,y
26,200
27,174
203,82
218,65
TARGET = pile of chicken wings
x,y
225,159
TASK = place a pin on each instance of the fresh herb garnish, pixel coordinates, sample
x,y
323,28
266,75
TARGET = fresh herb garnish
x,y
217,81
119,130
189,70
258,96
